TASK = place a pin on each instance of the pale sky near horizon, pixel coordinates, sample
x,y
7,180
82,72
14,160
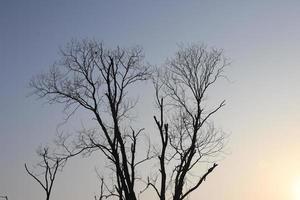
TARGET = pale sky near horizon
x,y
261,37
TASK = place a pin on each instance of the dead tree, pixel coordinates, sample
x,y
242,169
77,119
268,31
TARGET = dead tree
x,y
97,79
187,134
48,169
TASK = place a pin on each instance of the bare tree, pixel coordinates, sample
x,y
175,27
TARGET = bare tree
x,y
97,79
49,166
187,134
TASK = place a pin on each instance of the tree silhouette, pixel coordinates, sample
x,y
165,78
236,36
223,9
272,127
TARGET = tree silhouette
x,y
49,167
187,135
99,79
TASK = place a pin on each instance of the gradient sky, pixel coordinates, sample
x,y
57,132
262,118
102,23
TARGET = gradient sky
x,y
262,39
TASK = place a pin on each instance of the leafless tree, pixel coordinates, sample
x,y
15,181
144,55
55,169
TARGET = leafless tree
x,y
48,167
97,79
187,134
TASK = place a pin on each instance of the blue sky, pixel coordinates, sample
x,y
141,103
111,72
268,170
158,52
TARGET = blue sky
x,y
262,39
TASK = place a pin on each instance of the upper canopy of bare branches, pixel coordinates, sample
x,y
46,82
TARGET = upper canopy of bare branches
x,y
92,76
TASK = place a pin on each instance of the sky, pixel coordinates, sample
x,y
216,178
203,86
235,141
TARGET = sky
x,y
261,38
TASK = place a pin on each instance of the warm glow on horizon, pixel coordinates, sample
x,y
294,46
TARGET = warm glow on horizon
x,y
296,189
